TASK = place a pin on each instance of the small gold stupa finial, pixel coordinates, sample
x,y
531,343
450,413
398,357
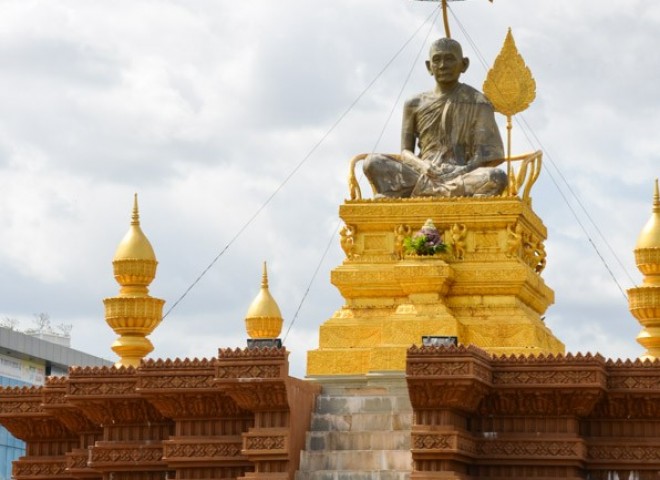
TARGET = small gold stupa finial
x,y
133,314
263,318
644,300
135,244
649,237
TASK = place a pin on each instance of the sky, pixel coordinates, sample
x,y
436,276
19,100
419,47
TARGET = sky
x,y
235,122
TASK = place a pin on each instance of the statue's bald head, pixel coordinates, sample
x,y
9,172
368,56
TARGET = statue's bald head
x,y
446,63
446,44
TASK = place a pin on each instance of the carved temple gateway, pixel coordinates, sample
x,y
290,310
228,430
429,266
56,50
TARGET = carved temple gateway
x,y
499,399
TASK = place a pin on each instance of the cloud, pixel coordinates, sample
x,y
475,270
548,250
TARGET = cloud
x,y
206,109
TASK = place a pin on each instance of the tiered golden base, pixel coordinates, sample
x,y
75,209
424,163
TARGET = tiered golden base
x,y
486,290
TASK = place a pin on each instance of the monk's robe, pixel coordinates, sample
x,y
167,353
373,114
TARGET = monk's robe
x,y
456,135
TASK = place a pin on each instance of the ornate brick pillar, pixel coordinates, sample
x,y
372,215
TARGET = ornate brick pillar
x,y
445,392
623,430
207,441
529,425
47,439
55,403
510,417
257,380
133,429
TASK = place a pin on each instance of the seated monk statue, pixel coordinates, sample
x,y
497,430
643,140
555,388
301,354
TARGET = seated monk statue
x,y
454,127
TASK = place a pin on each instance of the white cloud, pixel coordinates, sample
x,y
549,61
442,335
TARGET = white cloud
x,y
204,109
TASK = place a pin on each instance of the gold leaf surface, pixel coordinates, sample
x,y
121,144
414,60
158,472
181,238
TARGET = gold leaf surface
x,y
509,85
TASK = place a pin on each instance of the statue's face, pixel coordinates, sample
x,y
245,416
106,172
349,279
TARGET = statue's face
x,y
446,65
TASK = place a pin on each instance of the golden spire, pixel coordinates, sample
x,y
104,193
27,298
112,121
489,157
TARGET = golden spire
x,y
650,234
135,244
644,301
263,318
133,314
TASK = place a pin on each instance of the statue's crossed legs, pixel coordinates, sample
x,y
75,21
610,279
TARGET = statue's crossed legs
x,y
393,179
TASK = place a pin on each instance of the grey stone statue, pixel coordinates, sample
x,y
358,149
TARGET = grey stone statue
x,y
454,127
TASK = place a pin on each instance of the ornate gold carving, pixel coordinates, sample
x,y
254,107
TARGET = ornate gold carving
x,y
374,243
533,252
541,257
131,271
509,85
354,191
400,234
511,88
476,293
128,315
458,234
648,260
347,240
503,335
514,239
338,361
644,302
339,336
528,173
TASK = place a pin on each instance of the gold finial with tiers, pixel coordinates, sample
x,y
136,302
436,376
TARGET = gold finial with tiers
x,y
644,300
263,319
133,314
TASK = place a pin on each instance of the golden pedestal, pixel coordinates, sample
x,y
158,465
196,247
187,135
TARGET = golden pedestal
x,y
486,290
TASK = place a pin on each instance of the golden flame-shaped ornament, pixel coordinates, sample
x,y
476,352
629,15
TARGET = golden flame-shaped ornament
x,y
511,88
509,85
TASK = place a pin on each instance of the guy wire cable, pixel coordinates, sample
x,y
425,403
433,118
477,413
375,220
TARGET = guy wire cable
x,y
336,229
296,168
405,82
579,201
